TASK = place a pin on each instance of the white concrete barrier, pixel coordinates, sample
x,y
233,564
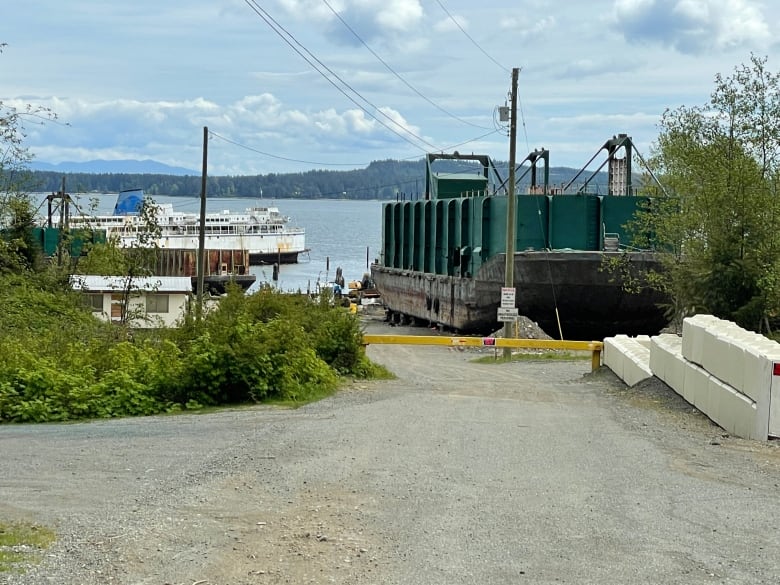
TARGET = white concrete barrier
x,y
666,361
628,357
730,374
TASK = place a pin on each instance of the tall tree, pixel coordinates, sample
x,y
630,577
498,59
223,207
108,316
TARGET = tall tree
x,y
716,227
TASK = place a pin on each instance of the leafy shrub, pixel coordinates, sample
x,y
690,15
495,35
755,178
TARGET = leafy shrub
x,y
124,395
57,362
41,391
256,361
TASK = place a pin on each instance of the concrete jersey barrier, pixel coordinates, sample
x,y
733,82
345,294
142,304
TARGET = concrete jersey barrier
x,y
730,374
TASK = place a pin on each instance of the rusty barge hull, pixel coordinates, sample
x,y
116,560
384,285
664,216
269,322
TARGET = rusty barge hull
x,y
566,292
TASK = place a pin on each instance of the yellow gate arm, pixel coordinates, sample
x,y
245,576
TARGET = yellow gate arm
x,y
594,347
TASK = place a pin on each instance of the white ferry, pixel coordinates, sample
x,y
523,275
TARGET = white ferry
x,y
262,231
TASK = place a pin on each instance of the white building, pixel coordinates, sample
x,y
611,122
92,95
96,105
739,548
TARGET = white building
x,y
153,301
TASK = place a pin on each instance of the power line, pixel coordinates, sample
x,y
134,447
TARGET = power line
x,y
452,146
397,75
468,36
476,44
324,164
268,154
276,27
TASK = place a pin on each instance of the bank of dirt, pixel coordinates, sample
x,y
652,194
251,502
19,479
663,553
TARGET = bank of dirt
x,y
454,472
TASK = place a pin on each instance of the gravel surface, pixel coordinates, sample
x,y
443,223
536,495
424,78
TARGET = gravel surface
x,y
454,473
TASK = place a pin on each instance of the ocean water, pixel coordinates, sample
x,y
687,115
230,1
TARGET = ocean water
x,y
339,233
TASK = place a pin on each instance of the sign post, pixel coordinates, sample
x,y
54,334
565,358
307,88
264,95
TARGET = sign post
x,y
509,267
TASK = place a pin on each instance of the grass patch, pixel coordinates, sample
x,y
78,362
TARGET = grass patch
x,y
552,355
21,544
379,372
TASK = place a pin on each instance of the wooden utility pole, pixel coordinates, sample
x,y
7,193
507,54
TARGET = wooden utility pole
x,y
509,267
202,230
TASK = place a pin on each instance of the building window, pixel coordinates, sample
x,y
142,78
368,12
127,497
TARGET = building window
x,y
156,303
95,302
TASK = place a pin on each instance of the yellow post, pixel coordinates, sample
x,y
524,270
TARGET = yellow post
x,y
595,356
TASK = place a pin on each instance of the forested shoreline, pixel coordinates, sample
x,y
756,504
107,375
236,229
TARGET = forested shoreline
x,y
385,180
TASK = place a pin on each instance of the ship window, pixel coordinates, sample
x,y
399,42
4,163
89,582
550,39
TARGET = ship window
x,y
156,303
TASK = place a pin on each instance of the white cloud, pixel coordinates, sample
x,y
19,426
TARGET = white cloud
x,y
530,28
139,130
398,15
448,25
692,26
369,18
593,67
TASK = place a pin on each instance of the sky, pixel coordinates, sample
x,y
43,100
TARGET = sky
x,y
294,85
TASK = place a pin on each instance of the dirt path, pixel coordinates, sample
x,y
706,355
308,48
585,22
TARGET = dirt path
x,y
455,472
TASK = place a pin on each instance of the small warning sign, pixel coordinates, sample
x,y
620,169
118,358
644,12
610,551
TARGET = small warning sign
x,y
507,296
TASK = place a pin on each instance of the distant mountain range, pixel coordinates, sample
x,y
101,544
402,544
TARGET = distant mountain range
x,y
134,167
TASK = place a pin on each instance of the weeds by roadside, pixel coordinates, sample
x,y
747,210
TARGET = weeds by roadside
x,y
21,544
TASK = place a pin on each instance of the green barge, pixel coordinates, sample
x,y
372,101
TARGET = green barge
x,y
443,259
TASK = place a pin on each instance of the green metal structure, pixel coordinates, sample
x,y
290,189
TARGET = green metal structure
x,y
462,222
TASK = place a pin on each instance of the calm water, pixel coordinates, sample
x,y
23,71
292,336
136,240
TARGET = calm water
x,y
338,234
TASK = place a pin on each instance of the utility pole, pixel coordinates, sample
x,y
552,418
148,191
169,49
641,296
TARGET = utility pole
x,y
509,267
202,230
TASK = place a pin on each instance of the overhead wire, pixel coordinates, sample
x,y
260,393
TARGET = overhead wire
x,y
469,37
325,164
395,73
321,68
276,156
276,27
484,52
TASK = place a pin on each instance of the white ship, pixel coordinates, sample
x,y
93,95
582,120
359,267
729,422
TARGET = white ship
x,y
262,231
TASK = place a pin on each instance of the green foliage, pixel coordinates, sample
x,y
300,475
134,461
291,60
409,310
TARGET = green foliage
x,y
58,362
255,348
716,226
40,305
104,259
332,332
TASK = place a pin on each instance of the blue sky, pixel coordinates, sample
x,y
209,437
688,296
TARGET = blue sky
x,y
140,80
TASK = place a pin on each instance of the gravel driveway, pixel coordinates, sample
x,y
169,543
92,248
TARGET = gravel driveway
x,y
454,473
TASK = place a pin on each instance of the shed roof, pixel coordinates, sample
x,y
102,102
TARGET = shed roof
x,y
158,284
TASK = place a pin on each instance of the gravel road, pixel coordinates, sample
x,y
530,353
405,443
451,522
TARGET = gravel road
x,y
454,473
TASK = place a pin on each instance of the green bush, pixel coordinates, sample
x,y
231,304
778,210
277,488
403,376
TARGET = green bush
x,y
254,362
41,391
58,362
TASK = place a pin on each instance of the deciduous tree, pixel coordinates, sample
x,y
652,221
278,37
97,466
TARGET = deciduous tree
x,y
717,224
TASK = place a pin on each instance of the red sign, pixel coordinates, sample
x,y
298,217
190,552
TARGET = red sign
x,y
492,341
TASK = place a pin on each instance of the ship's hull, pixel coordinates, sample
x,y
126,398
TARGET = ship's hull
x,y
263,249
567,293
257,258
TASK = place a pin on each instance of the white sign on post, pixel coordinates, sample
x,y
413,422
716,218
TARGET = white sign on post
x,y
507,296
507,314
